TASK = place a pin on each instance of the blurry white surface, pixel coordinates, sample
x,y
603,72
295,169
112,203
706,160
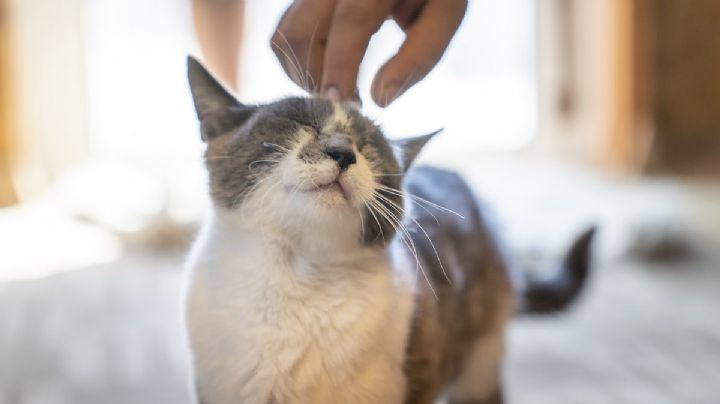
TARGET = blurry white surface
x,y
40,238
139,104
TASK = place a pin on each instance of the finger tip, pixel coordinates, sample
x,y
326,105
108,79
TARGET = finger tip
x,y
380,102
385,95
376,92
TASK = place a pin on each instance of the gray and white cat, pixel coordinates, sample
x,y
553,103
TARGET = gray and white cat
x,y
327,272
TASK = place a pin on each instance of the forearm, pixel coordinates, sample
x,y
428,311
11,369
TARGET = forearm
x,y
219,25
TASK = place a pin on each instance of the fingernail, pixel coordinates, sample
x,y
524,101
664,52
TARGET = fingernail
x,y
332,93
390,93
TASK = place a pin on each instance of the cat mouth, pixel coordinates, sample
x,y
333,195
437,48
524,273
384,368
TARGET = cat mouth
x,y
321,188
330,186
333,186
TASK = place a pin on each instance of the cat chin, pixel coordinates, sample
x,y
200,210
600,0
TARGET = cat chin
x,y
330,198
327,211
341,194
322,206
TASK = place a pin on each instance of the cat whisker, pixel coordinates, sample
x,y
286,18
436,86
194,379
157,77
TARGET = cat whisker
x,y
276,147
403,213
362,222
307,59
268,191
417,199
246,194
303,75
273,162
370,209
405,234
289,60
305,72
294,192
297,188
382,212
425,209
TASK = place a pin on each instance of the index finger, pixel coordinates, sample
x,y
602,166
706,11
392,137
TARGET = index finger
x,y
299,41
425,43
353,23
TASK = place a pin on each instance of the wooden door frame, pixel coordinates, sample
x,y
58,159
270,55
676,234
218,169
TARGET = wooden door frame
x,y
595,87
632,131
8,195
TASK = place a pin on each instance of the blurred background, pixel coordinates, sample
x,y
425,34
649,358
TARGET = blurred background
x,y
560,113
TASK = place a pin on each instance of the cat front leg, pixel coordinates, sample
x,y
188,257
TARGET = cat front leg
x,y
479,381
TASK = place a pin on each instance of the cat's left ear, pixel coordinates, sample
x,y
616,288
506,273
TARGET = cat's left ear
x,y
217,109
407,149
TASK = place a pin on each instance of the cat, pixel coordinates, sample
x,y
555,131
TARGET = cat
x,y
330,271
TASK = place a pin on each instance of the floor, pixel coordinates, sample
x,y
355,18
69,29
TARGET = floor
x,y
110,335
101,335
641,335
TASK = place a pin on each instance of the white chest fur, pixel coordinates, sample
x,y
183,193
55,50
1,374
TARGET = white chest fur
x,y
269,325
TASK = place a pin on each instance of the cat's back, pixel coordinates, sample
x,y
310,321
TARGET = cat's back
x,y
464,299
446,193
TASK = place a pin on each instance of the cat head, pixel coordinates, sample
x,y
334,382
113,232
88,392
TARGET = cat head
x,y
300,165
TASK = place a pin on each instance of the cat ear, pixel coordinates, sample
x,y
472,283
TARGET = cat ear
x,y
408,148
217,109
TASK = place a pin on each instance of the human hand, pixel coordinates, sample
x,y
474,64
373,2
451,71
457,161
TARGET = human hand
x,y
321,43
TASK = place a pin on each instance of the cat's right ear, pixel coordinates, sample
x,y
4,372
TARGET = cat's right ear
x,y
217,109
407,149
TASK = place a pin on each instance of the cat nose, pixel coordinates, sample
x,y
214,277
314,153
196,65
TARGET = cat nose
x,y
343,156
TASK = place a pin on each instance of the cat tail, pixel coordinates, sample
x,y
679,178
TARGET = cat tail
x,y
555,293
